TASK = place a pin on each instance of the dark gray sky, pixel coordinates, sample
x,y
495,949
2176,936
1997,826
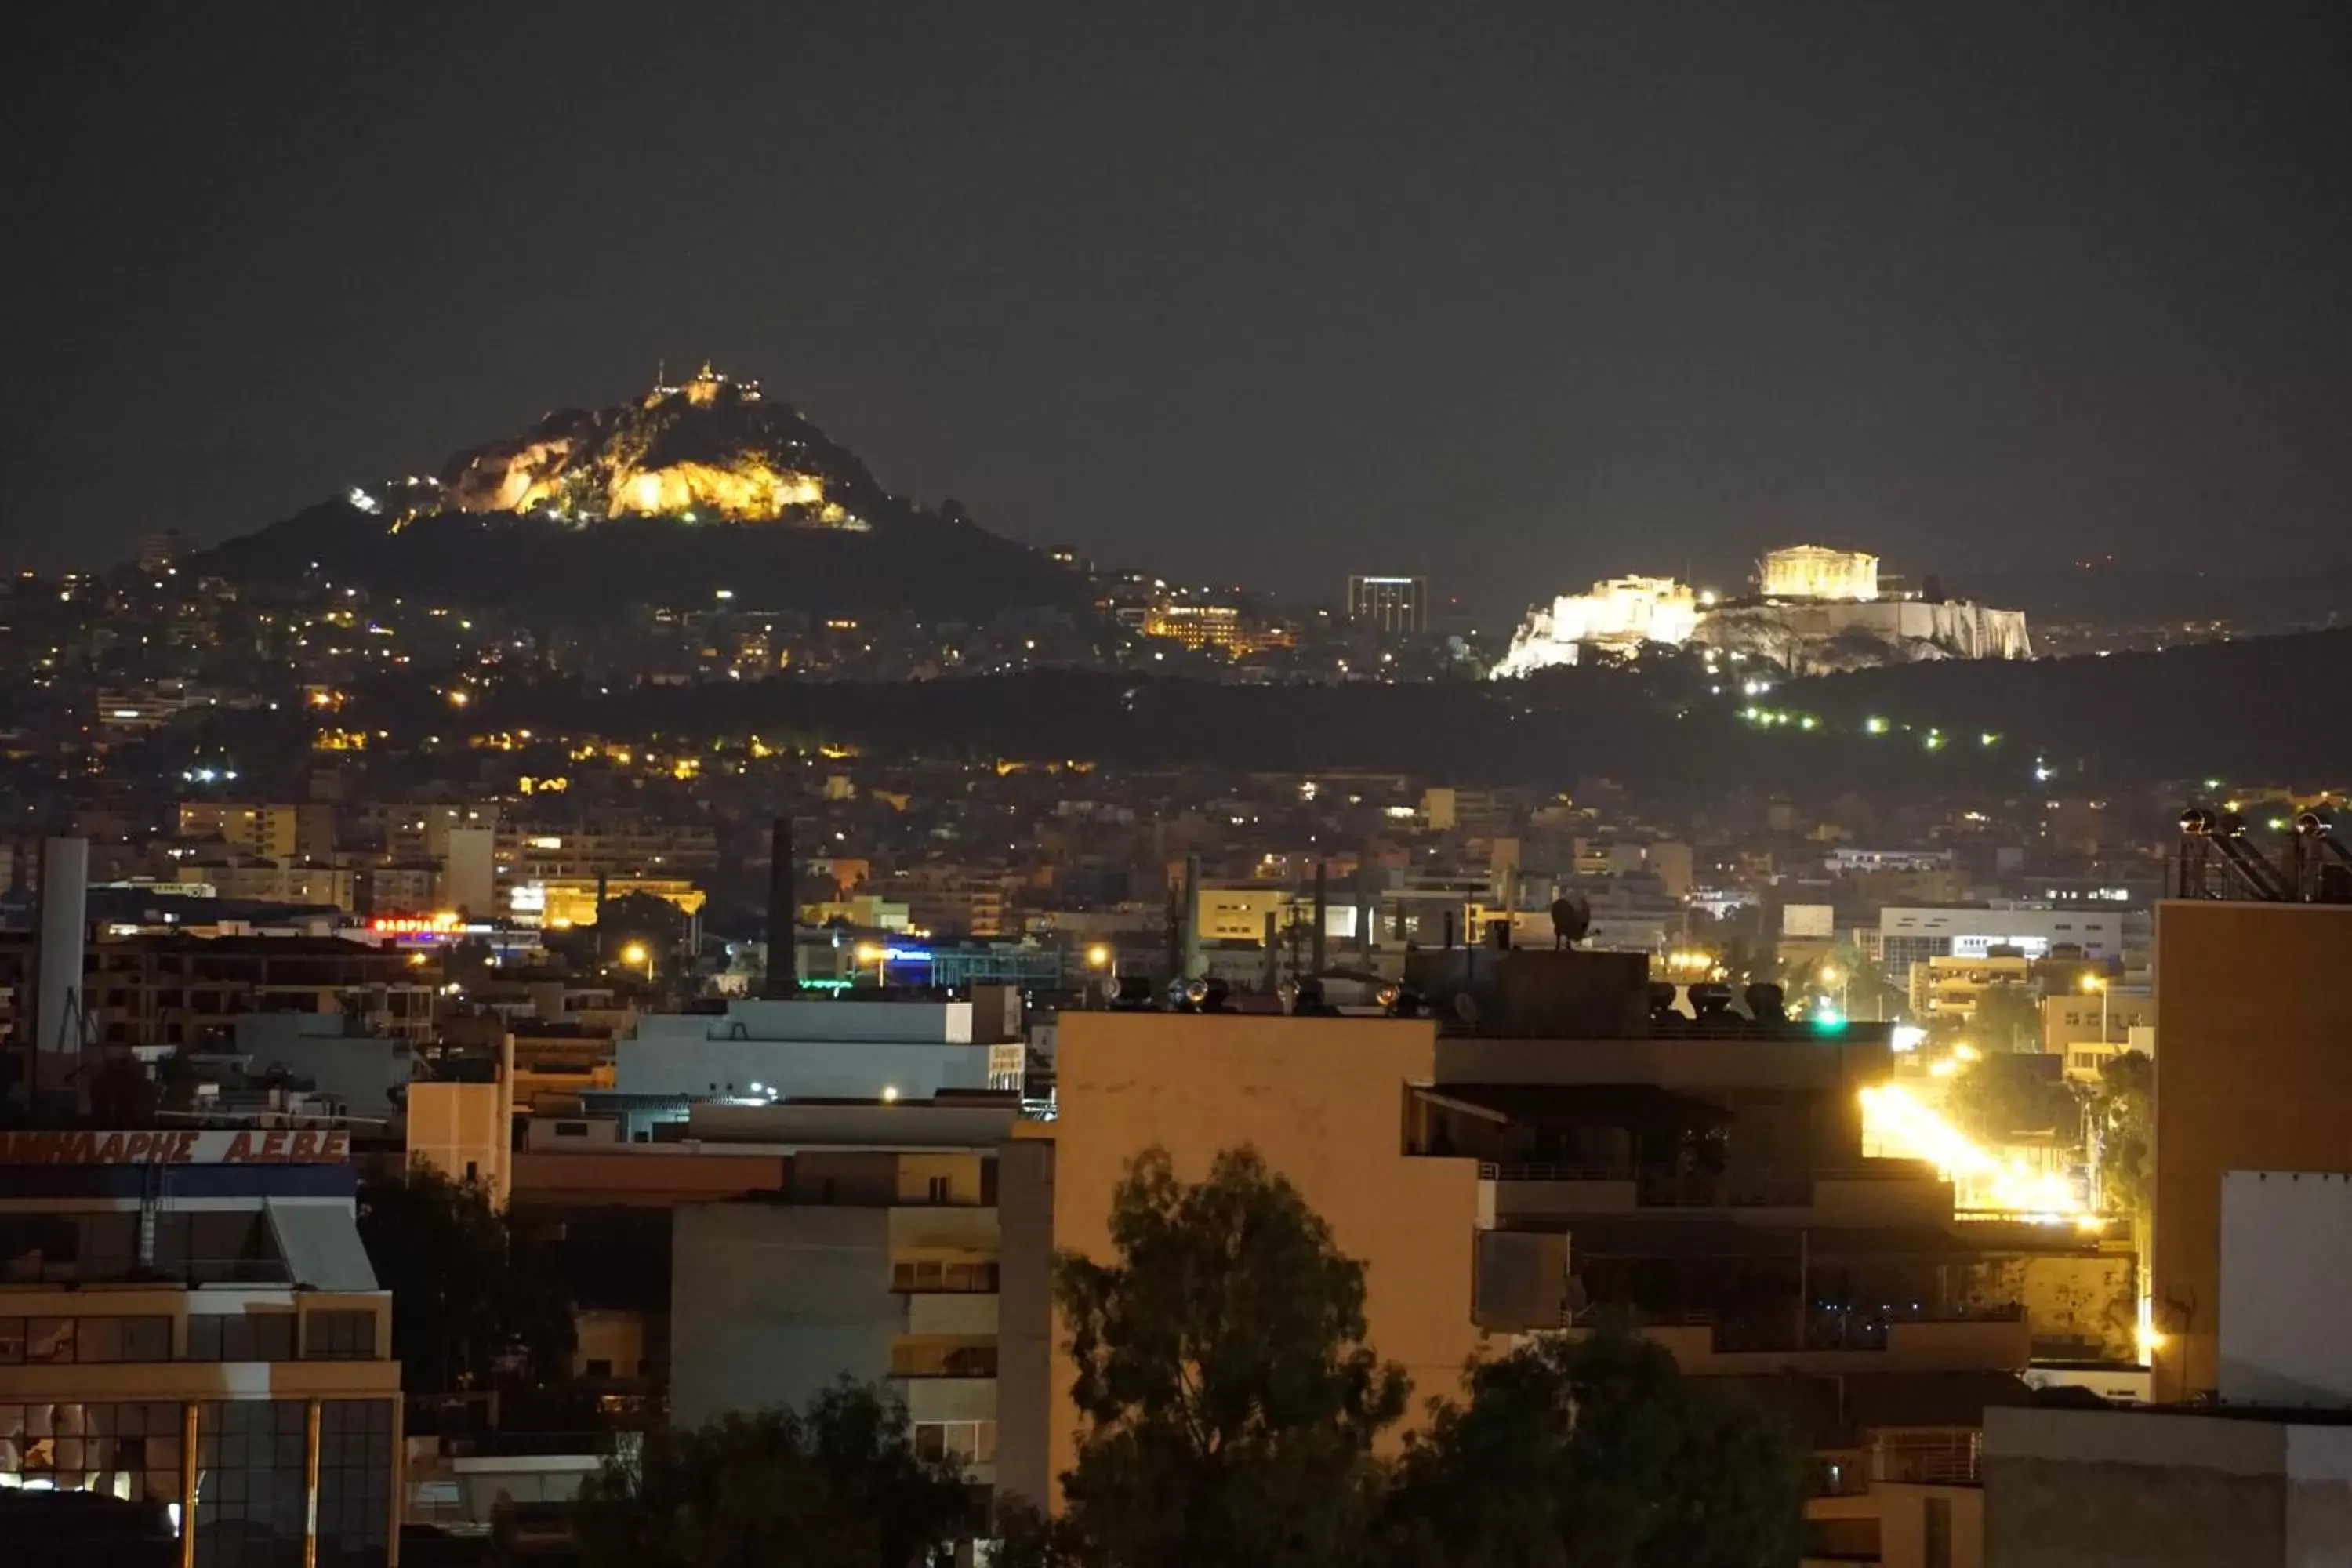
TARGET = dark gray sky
x,y
1514,294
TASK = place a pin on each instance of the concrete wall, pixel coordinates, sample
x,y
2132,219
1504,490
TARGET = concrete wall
x,y
1323,1099
834,1068
2250,1078
769,1304
914,1023
1903,1509
466,1129
2286,1274
2070,1488
1026,1366
2079,1305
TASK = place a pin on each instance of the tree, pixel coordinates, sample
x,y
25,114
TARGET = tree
x,y
837,1486
2123,1109
120,1092
2004,1094
2007,1018
1597,1452
175,1080
466,1300
639,917
1230,1401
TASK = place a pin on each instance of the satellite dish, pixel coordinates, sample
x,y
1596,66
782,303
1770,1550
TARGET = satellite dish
x,y
1571,918
1465,1007
1575,1301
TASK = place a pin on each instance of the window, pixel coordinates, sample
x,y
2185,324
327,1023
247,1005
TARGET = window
x,y
129,1451
48,1340
339,1336
250,1457
122,1339
243,1336
572,1129
355,1467
218,1247
67,1249
931,1276
940,1189
967,1442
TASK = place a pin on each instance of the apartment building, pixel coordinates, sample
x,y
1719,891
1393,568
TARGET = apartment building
x,y
794,1243
303,830
190,991
1905,936
1565,1145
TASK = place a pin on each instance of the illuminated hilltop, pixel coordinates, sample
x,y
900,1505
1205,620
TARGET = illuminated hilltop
x,y
669,500
709,449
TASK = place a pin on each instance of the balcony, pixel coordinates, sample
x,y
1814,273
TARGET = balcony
x,y
953,1314
932,1399
1999,1340
1884,1192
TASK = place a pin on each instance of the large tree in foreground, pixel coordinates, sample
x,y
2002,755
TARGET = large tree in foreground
x,y
469,1299
1229,1398
836,1486
1596,1453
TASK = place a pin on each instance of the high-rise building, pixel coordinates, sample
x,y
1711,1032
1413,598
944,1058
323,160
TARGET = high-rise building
x,y
1389,603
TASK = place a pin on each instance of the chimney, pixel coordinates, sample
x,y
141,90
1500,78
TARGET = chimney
x,y
1322,903
60,1028
1192,932
782,977
603,937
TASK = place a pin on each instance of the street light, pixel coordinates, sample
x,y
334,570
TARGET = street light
x,y
1098,956
1832,975
878,955
637,953
2095,983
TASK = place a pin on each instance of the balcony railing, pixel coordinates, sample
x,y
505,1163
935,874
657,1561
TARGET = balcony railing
x,y
1491,1171
1932,1457
1666,1188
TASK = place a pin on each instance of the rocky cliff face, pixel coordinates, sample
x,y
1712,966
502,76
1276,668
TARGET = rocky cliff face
x,y
712,450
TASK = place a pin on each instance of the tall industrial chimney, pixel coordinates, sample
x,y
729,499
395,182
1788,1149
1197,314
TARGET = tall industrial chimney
x,y
603,936
1191,949
782,977
59,1026
1322,920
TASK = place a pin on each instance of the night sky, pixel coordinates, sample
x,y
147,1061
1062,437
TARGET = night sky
x,y
1516,295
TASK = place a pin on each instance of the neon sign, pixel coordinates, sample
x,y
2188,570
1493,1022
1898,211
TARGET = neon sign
x,y
415,925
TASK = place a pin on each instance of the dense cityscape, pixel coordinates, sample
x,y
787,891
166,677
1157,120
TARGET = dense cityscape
x,y
611,989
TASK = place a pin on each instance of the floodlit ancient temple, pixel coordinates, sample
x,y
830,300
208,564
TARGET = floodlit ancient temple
x,y
1814,572
1815,609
